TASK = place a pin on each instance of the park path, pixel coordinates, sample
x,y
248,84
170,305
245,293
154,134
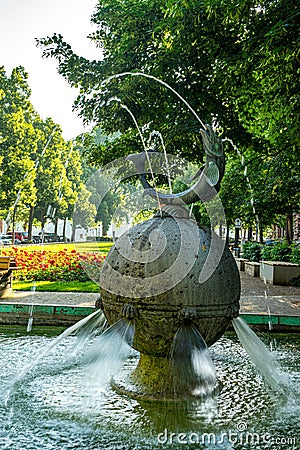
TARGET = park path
x,y
256,298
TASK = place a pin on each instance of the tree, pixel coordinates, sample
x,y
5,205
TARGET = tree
x,y
17,143
105,212
84,211
69,184
40,171
50,171
130,45
235,63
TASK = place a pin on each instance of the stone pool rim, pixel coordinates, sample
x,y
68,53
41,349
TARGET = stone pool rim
x,y
67,315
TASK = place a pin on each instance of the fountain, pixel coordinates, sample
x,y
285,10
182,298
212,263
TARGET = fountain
x,y
153,276
179,285
162,373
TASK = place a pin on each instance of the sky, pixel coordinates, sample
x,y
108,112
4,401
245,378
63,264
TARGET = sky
x,y
21,21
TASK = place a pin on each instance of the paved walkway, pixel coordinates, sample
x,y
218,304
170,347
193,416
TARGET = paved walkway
x,y
260,298
256,298
52,298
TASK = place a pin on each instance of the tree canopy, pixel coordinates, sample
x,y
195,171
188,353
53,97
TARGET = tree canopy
x,y
18,140
235,62
40,171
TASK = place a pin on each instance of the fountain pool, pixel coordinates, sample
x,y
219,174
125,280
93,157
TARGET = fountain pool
x,y
63,403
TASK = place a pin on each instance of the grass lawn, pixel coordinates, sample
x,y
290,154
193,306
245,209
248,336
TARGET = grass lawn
x,y
101,247
56,286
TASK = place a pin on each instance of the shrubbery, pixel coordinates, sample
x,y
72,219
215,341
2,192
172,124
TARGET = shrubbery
x,y
295,254
279,251
252,251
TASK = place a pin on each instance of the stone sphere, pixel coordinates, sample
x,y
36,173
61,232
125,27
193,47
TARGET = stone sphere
x,y
165,272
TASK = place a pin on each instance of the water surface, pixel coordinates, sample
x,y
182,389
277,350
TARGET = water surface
x,y
63,403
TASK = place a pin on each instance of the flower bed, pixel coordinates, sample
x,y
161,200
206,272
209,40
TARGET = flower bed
x,y
64,265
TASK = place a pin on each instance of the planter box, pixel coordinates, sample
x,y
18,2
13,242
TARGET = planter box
x,y
240,262
278,272
252,268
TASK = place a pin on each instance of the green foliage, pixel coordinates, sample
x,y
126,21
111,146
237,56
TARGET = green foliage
x,y
57,174
295,254
38,167
57,286
84,211
235,62
143,36
267,252
143,215
281,251
18,140
252,251
294,257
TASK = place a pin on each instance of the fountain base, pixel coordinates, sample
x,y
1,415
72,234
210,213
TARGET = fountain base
x,y
157,379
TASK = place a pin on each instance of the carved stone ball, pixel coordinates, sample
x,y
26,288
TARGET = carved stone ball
x,y
164,272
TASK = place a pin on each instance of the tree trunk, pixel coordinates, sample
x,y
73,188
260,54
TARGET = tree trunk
x,y
227,234
289,228
250,234
64,230
56,228
221,230
43,219
73,230
30,223
261,234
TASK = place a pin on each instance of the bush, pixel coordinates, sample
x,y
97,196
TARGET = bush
x,y
280,251
295,254
252,251
267,253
